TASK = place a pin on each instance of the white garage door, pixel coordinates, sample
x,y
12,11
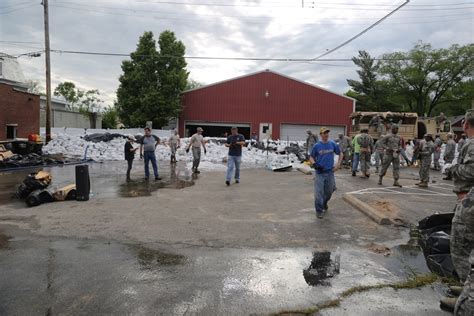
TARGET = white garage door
x,y
298,132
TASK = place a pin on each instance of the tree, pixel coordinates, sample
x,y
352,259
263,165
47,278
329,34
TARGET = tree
x,y
35,87
152,81
83,100
370,90
110,117
192,84
424,78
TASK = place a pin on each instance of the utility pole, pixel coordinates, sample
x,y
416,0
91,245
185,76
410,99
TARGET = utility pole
x,y
48,71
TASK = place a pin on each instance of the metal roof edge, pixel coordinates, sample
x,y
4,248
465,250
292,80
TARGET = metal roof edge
x,y
270,71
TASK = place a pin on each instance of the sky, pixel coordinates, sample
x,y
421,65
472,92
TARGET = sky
x,y
264,29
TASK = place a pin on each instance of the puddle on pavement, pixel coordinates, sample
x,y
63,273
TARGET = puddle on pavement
x,y
136,188
149,258
321,268
107,180
100,277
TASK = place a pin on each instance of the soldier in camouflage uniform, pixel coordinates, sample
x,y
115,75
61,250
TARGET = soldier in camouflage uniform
x,y
449,153
462,229
461,142
437,153
392,145
450,149
426,148
465,303
345,144
378,154
366,148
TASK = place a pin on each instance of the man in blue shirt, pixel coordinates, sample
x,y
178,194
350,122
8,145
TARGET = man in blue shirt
x,y
235,142
322,159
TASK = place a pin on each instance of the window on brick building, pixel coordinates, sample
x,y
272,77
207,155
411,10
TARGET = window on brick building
x,y
11,131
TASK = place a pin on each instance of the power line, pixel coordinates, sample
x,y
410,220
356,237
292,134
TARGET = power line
x,y
68,4
363,31
61,51
18,9
15,4
200,18
316,5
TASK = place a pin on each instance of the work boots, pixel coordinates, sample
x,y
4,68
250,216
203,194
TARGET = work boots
x,y
396,184
448,303
423,184
380,181
456,290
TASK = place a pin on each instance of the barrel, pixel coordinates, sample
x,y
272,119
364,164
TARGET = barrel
x,y
83,185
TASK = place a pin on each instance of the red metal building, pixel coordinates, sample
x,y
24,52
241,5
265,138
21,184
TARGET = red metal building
x,y
19,111
265,103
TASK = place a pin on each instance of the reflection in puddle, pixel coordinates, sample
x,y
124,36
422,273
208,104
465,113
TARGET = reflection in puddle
x,y
321,268
149,258
179,179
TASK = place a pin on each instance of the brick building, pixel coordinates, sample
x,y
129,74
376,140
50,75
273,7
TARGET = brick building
x,y
19,111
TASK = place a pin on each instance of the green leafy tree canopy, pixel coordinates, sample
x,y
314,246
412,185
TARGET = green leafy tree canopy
x,y
152,81
79,99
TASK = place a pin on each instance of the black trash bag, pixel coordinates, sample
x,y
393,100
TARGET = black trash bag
x,y
435,231
38,197
442,265
438,243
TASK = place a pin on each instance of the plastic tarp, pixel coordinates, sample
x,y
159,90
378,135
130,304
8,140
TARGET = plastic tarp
x,y
434,240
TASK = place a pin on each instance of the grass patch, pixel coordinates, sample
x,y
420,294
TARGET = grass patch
x,y
411,283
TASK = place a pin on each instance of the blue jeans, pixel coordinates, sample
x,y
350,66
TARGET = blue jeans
x,y
355,163
150,156
233,162
324,184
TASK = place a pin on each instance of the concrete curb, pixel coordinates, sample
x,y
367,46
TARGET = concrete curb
x,y
366,209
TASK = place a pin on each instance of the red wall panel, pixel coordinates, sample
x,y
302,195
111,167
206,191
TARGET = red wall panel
x,y
243,100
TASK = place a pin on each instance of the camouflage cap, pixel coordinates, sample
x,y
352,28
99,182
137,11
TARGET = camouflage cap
x,y
394,126
429,135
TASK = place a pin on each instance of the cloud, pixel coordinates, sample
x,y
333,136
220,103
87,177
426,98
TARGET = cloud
x,y
261,29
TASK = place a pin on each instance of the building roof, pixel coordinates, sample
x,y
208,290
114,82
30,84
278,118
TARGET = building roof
x,y
268,71
10,68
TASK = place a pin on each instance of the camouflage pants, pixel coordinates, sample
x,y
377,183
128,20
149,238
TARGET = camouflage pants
x,y
378,159
391,158
425,168
346,154
364,161
465,303
436,156
462,235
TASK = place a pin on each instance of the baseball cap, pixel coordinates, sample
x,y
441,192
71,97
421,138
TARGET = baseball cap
x,y
323,130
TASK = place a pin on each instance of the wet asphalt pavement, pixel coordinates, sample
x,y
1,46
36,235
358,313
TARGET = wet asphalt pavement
x,y
59,273
49,276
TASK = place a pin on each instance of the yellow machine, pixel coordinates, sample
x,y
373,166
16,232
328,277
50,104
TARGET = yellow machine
x,y
410,125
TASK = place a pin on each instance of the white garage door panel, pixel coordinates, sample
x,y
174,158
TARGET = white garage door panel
x,y
298,132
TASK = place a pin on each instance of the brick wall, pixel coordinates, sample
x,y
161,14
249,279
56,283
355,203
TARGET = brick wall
x,y
21,108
